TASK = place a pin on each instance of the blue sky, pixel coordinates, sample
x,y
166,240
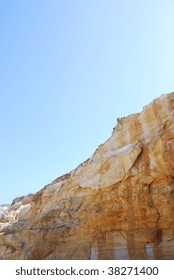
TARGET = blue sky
x,y
68,70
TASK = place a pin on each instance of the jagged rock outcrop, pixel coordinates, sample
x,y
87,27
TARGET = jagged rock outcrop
x,y
119,204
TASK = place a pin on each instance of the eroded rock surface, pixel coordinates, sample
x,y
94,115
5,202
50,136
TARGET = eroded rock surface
x,y
119,204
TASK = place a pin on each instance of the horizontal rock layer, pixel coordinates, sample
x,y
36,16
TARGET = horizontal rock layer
x,y
119,204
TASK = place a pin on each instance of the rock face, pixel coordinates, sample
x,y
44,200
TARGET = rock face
x,y
119,204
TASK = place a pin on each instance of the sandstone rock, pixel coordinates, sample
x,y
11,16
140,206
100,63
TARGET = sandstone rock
x,y
119,204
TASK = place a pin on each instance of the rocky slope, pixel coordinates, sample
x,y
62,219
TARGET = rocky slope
x,y
119,204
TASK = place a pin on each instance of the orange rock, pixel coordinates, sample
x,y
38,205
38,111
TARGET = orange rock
x,y
119,204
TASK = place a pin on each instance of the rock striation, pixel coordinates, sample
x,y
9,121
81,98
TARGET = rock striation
x,y
119,204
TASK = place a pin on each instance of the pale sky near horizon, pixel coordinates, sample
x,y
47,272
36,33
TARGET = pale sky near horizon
x,y
68,70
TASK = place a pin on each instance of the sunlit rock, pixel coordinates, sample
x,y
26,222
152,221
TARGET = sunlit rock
x,y
119,204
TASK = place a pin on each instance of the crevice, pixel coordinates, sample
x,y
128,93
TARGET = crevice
x,y
122,234
157,227
158,216
48,228
153,204
170,239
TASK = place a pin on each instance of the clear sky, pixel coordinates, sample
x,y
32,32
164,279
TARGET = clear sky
x,y
68,70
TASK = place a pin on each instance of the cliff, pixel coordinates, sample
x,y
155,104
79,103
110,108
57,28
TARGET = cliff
x,y
119,204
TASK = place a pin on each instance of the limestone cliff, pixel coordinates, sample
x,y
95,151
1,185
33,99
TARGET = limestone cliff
x,y
119,204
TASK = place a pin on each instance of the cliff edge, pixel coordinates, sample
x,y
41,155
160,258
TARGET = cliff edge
x,y
119,204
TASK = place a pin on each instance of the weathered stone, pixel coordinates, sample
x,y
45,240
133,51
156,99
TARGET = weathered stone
x,y
119,204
